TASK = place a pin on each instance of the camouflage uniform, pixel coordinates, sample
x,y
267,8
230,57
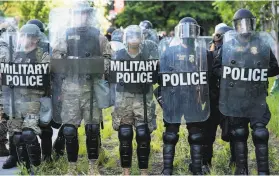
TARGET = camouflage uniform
x,y
129,107
81,41
131,101
23,125
76,99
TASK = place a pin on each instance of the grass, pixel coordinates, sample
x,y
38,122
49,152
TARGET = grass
x,y
109,163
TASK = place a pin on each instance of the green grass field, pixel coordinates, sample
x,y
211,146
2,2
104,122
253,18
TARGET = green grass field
x,y
109,159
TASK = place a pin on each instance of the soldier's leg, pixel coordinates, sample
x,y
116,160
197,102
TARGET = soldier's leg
x,y
71,136
125,136
12,159
210,133
59,143
21,149
260,136
14,128
239,136
3,138
196,140
123,121
143,139
46,142
143,130
93,140
170,139
32,145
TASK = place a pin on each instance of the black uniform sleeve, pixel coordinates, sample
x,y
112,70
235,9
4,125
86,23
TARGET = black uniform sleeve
x,y
273,66
217,64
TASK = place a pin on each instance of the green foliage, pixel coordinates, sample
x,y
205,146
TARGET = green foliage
x,y
226,9
165,15
34,9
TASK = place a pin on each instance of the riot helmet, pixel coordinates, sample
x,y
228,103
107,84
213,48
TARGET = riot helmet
x,y
244,21
82,15
133,37
219,33
28,38
117,35
187,28
145,24
37,23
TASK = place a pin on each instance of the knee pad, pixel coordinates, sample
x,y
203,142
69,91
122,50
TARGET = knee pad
x,y
17,139
196,136
240,134
125,135
260,134
170,138
143,150
46,133
32,145
93,140
70,132
29,137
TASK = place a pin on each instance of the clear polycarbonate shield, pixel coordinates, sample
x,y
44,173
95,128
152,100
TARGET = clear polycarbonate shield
x,y
244,81
208,41
187,30
184,81
77,64
133,71
25,74
163,45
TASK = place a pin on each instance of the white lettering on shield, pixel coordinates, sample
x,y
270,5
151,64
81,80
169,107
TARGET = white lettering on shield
x,y
242,74
184,79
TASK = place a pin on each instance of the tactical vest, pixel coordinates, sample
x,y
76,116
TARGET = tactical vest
x,y
83,42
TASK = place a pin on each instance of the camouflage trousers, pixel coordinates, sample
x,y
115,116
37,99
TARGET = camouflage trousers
x,y
76,105
27,118
129,109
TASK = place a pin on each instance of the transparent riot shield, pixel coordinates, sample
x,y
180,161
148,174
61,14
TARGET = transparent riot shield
x,y
77,65
24,73
184,82
163,45
244,81
208,41
134,72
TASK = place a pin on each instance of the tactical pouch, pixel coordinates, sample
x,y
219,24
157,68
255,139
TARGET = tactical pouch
x,y
45,111
102,93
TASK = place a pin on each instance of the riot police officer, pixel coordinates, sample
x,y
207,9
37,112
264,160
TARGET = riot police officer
x,y
133,102
186,54
22,104
243,99
81,96
214,119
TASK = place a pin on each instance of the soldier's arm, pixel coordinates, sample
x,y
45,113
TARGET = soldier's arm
x,y
273,66
106,53
217,64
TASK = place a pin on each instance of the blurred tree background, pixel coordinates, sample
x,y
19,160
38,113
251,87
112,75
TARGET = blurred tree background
x,y
163,14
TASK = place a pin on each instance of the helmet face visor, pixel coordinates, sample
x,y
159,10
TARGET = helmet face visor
x,y
187,30
245,25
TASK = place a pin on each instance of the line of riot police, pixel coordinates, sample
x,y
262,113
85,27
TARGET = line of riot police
x,y
222,87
